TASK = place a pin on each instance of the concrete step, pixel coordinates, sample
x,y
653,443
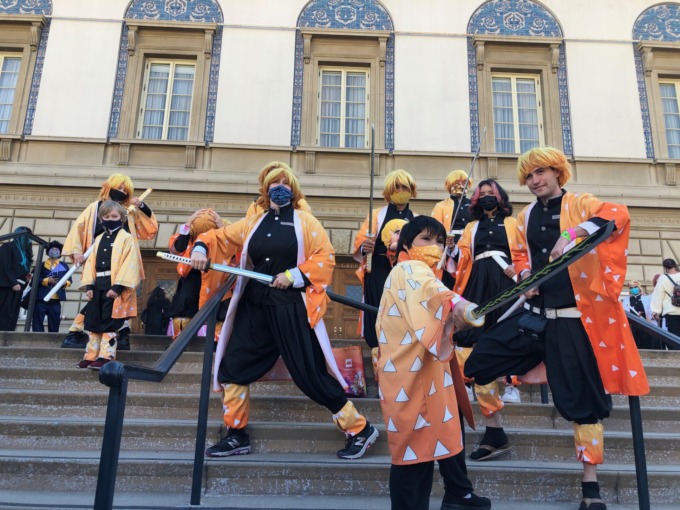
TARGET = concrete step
x,y
323,438
289,475
264,407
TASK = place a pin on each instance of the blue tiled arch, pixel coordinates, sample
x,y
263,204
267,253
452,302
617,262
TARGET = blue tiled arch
x,y
657,23
512,18
344,15
191,11
39,7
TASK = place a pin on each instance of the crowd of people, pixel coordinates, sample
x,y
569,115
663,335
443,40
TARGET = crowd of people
x,y
424,273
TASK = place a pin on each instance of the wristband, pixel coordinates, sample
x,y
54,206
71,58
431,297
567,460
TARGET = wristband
x,y
572,233
455,300
289,275
569,234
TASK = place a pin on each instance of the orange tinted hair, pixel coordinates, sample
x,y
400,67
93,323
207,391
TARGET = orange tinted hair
x,y
273,175
115,181
544,157
402,177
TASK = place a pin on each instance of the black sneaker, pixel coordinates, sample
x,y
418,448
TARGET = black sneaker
x,y
123,339
231,444
475,502
75,340
356,446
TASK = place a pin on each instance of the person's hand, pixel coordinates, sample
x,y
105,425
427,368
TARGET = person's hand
x,y
52,280
509,271
655,316
558,249
136,202
89,294
281,282
367,246
77,258
199,260
450,241
217,219
194,216
530,293
458,314
111,294
16,288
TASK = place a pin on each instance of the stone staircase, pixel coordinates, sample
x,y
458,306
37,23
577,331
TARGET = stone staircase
x,y
52,422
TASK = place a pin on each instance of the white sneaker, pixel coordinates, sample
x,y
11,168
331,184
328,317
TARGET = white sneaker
x,y
511,395
470,393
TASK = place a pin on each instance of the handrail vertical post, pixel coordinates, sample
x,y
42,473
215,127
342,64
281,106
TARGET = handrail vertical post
x,y
204,401
639,451
544,393
35,281
113,375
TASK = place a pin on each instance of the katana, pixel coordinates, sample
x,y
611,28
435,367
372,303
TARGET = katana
x,y
87,253
369,233
264,278
474,314
460,202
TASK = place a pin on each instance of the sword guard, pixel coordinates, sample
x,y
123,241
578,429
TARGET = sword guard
x,y
475,322
207,266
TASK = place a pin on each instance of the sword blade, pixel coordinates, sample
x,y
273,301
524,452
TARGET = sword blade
x,y
222,268
547,272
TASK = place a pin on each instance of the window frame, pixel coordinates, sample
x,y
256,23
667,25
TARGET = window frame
x,y
168,94
676,84
344,70
515,108
4,55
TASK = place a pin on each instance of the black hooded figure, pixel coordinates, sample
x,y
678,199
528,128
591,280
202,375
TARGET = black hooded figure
x,y
16,258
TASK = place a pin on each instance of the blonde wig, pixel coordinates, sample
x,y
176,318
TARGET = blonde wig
x,y
402,177
115,181
390,228
455,176
275,173
544,157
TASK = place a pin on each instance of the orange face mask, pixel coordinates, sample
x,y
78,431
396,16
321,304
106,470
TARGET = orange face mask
x,y
430,254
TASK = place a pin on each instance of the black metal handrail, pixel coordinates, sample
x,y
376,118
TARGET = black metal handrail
x,y
115,375
42,244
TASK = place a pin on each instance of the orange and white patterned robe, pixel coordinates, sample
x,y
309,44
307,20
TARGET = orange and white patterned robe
x,y
417,392
316,260
125,271
597,280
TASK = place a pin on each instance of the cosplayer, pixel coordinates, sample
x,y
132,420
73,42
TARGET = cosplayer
x,y
110,276
574,321
444,211
479,277
282,319
189,296
415,325
259,205
50,273
399,189
139,221
16,258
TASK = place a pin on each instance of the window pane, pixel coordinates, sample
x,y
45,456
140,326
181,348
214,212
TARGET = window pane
x,y
515,113
9,76
343,109
671,118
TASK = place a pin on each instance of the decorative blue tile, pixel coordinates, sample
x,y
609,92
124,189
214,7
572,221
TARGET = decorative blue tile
x,y
26,7
192,11
658,23
512,18
348,15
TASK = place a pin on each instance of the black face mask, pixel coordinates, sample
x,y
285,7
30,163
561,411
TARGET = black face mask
x,y
112,224
117,195
488,203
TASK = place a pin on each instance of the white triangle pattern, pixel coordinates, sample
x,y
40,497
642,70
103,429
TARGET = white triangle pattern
x,y
407,340
447,415
402,294
382,339
402,397
421,423
391,427
389,366
440,450
448,381
409,454
419,333
433,390
417,365
394,311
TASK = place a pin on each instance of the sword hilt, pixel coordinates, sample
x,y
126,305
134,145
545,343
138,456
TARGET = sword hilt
x,y
471,318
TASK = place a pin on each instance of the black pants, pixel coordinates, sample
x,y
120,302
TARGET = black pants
x,y
673,323
51,309
571,367
374,283
263,332
411,485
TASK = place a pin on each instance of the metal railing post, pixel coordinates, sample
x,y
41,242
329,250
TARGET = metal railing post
x,y
544,393
203,406
112,375
639,451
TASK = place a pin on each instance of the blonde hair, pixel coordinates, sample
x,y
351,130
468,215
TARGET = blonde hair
x,y
115,181
544,157
402,177
108,206
274,173
455,176
390,228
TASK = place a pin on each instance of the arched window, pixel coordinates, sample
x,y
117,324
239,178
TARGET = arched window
x,y
168,70
656,34
517,78
344,75
24,30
